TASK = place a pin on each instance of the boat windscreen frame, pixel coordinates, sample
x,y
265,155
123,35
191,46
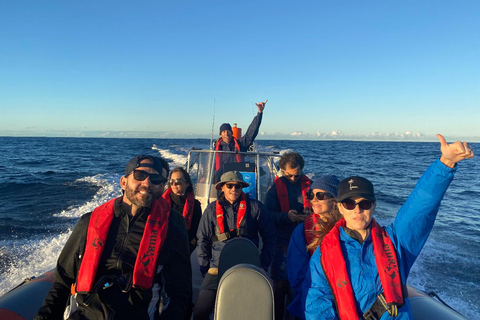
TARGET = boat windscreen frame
x,y
270,159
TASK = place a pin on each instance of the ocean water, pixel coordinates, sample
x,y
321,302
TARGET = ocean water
x,y
46,184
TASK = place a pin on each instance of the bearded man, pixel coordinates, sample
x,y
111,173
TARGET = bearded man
x,y
128,259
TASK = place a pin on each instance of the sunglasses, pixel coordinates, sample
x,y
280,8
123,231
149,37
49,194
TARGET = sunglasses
x,y
176,182
289,176
233,185
319,195
155,178
350,204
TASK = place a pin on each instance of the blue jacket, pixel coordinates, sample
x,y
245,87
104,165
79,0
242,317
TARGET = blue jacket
x,y
408,232
297,266
257,222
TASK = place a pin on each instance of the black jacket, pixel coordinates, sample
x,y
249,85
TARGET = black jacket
x,y
257,221
118,260
244,142
178,202
284,226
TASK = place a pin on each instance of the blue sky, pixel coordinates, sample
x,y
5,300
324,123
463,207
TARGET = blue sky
x,y
329,69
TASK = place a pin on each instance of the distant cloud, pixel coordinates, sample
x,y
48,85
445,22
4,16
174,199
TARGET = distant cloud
x,y
339,135
296,135
333,134
407,134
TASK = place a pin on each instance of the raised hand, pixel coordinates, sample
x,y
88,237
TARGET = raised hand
x,y
261,106
454,152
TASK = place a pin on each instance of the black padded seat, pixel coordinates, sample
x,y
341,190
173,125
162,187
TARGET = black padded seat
x,y
236,251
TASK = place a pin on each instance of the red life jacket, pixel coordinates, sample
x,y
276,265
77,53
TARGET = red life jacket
x,y
187,208
146,263
282,192
242,209
218,156
311,224
335,269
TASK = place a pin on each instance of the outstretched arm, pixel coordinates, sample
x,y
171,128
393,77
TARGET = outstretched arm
x,y
252,131
416,217
454,152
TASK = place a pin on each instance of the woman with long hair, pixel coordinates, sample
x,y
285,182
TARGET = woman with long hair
x,y
308,236
180,196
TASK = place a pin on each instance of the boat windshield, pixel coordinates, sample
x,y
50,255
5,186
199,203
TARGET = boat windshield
x,y
257,168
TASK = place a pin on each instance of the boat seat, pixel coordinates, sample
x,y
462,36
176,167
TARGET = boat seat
x,y
244,292
236,251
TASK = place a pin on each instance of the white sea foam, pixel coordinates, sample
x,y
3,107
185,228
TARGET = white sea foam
x,y
109,188
178,160
37,256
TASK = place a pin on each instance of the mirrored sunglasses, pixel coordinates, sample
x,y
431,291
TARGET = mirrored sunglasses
x,y
319,195
233,185
155,178
350,204
176,182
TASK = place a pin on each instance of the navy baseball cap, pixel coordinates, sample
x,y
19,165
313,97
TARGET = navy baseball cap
x,y
135,163
355,186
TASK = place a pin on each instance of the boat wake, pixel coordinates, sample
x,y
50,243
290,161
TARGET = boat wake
x,y
23,259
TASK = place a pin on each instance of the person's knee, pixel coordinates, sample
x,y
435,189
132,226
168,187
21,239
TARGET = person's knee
x,y
204,305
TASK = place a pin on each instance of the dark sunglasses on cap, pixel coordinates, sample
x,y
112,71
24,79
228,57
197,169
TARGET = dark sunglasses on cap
x,y
155,178
176,182
319,195
234,185
350,204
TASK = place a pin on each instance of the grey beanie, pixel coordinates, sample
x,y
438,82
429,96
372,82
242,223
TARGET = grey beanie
x,y
327,183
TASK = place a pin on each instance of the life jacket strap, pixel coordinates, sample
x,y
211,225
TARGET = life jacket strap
x,y
379,307
228,235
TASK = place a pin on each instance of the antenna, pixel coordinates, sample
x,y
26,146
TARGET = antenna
x,y
213,125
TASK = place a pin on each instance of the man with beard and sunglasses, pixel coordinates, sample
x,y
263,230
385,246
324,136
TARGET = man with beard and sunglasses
x,y
287,201
128,259
232,215
360,269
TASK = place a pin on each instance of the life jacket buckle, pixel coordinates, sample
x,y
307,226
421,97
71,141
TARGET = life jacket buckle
x,y
125,282
370,315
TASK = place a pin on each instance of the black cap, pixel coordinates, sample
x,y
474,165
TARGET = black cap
x,y
225,126
134,163
355,187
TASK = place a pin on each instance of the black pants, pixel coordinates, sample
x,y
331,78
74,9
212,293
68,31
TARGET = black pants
x,y
206,298
282,292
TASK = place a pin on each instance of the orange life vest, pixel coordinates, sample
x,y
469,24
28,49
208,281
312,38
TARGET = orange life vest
x,y
242,209
218,156
187,208
282,193
152,240
333,263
